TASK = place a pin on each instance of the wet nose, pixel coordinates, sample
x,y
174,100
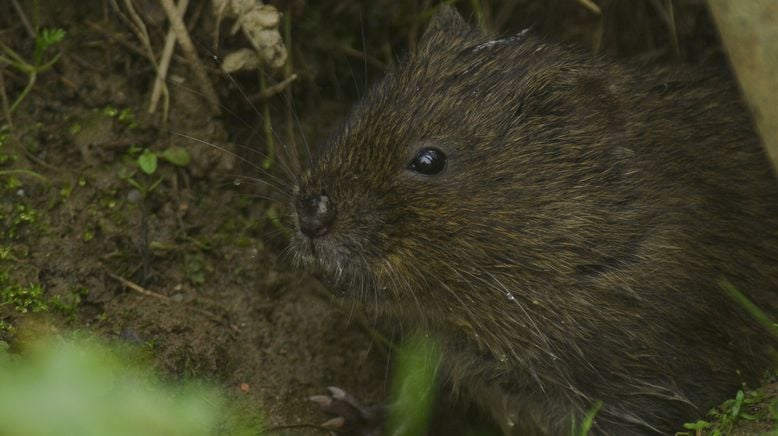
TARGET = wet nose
x,y
315,214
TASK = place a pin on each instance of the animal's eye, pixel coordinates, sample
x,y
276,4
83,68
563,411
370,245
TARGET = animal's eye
x,y
428,161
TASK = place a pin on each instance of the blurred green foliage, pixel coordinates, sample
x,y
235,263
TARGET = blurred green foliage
x,y
415,389
79,386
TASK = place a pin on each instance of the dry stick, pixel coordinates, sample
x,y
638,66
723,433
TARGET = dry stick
x,y
670,12
116,39
273,89
141,290
591,6
4,96
139,27
177,24
25,21
268,124
374,62
664,9
7,114
217,30
137,24
138,288
284,427
291,156
160,86
749,31
504,15
597,36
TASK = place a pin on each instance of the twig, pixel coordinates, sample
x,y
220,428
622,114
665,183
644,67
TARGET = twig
x,y
139,27
599,30
267,123
6,107
280,428
177,25
591,6
670,17
475,5
504,15
273,89
348,51
291,157
26,173
160,87
23,17
116,39
141,290
138,288
38,161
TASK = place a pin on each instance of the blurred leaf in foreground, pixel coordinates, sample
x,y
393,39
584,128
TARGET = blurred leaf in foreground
x,y
81,387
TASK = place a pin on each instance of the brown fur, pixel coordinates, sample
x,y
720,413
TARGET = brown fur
x,y
572,249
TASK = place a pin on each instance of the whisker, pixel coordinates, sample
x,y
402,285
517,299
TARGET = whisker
x,y
364,41
290,103
257,112
216,60
232,153
237,178
262,197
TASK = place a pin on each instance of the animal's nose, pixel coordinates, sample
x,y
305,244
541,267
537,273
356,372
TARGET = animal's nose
x,y
315,214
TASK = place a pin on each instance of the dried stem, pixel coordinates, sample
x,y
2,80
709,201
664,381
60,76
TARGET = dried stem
x,y
177,25
25,22
160,87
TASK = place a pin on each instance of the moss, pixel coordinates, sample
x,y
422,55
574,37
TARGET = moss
x,y
32,298
69,303
23,298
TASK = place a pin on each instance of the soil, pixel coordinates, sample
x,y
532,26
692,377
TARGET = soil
x,y
192,270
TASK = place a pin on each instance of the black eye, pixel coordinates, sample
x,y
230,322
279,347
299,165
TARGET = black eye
x,y
428,161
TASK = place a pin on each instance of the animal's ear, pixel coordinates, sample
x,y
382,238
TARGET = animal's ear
x,y
570,92
445,27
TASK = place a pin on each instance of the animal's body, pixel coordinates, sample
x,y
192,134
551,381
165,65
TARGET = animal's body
x,y
563,226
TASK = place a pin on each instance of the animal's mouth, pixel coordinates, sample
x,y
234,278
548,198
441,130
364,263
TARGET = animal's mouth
x,y
345,273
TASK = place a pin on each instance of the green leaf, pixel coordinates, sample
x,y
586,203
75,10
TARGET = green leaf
x,y
697,425
147,162
50,37
748,416
588,421
177,156
738,403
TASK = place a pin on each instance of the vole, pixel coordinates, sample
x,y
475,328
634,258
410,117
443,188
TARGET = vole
x,y
565,226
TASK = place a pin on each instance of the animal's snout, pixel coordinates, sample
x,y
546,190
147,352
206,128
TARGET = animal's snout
x,y
315,215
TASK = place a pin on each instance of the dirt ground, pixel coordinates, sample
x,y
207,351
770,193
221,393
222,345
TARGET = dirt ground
x,y
189,261
191,269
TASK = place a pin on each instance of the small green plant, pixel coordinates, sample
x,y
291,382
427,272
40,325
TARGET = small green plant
x,y
31,298
746,406
4,328
13,217
148,162
45,39
8,159
24,299
125,116
195,269
5,158
588,421
69,303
